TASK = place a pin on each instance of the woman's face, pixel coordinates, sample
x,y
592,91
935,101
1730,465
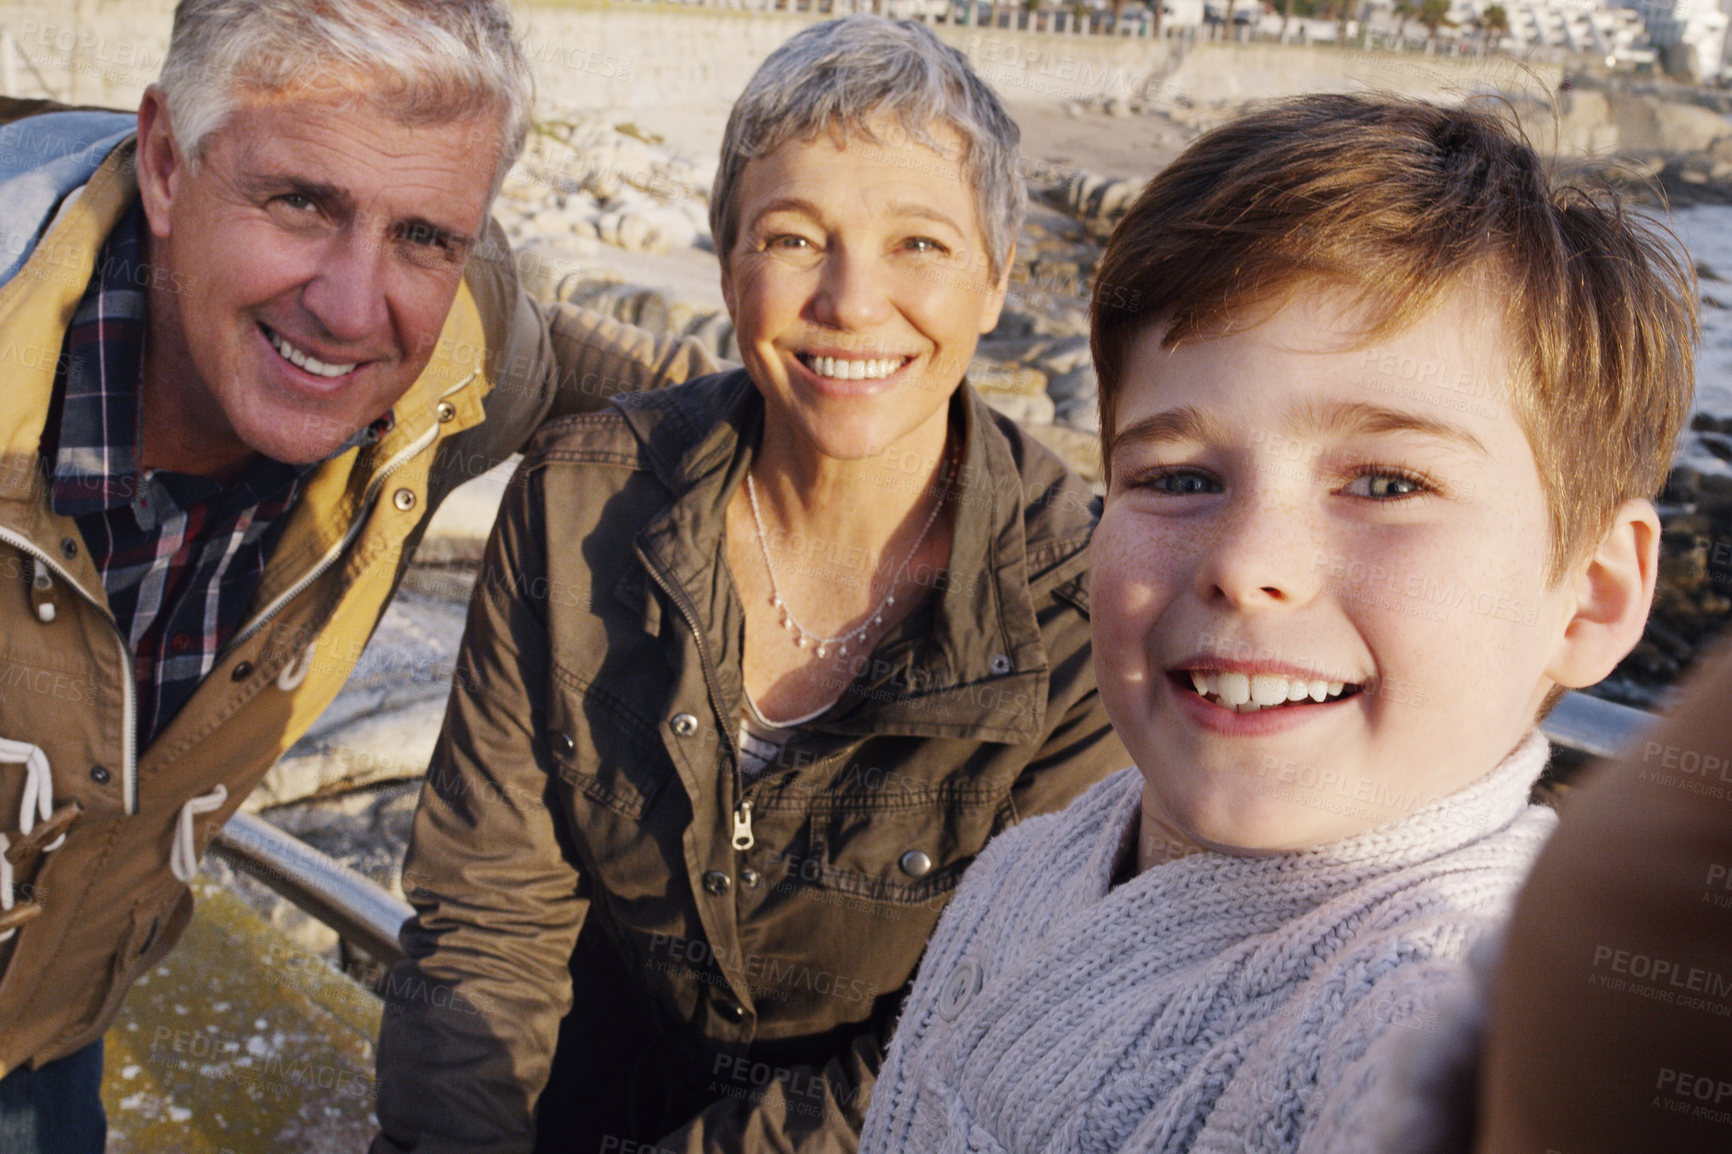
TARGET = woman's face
x,y
859,286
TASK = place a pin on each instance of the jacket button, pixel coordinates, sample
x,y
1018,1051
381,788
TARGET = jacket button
x,y
404,499
683,725
99,774
241,671
1000,664
718,883
564,744
916,864
731,1010
447,412
750,877
68,548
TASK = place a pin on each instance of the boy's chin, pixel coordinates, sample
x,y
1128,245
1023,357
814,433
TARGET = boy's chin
x,y
1250,826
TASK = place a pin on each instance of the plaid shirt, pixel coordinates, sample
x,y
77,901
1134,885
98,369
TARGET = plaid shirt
x,y
180,555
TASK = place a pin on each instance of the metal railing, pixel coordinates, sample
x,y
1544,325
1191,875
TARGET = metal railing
x,y
368,918
362,912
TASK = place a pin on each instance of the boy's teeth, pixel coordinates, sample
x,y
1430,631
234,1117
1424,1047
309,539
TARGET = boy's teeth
x,y
311,364
1248,693
840,369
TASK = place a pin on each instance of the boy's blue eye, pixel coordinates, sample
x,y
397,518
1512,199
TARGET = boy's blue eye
x,y
1177,483
1386,484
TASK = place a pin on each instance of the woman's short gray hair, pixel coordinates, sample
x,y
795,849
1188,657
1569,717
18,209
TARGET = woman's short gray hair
x,y
840,75
435,60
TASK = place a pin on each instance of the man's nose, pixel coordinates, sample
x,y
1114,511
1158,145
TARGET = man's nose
x,y
853,292
347,292
1262,554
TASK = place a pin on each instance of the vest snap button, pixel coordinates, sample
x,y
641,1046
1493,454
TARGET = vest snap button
x,y
99,774
683,725
447,412
404,499
916,864
717,883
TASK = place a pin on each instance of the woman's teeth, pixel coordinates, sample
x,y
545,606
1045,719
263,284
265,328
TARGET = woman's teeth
x,y
839,369
302,361
1250,692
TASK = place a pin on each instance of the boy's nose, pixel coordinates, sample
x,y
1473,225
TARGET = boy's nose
x,y
1262,555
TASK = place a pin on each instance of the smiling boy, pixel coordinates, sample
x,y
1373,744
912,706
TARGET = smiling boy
x,y
1380,432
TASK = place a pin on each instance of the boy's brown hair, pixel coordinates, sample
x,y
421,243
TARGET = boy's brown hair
x,y
1400,203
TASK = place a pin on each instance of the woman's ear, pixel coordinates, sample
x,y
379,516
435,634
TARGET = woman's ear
x,y
1614,589
993,305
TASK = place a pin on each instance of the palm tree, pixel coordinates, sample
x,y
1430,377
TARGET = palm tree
x,y
1493,26
1403,11
1433,14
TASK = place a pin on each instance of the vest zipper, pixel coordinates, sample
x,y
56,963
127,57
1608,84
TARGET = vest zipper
x,y
128,686
336,551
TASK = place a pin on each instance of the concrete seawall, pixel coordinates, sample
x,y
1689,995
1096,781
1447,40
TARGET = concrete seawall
x,y
652,57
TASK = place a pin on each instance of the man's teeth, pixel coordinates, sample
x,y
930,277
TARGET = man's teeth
x,y
1249,692
311,364
839,369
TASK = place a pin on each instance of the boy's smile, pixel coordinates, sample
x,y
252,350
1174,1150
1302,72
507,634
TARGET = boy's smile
x,y
1320,586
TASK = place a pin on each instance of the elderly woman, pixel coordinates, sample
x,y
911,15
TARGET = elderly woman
x,y
756,665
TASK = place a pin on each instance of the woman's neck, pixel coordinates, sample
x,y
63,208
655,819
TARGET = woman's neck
x,y
851,505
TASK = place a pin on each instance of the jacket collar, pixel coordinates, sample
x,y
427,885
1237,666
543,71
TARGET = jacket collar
x,y
970,663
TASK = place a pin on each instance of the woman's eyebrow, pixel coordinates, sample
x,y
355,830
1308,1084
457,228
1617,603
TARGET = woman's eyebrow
x,y
787,204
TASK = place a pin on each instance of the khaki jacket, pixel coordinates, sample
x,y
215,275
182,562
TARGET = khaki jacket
x,y
106,901
578,819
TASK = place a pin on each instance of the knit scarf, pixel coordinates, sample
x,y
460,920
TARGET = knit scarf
x,y
1211,1003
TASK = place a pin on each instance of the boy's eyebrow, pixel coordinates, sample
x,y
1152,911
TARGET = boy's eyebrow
x,y
1366,418
1184,423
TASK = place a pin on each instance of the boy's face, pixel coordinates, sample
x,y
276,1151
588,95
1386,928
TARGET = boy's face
x,y
1291,505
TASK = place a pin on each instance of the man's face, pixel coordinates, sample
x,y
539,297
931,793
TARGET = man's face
x,y
310,259
1357,530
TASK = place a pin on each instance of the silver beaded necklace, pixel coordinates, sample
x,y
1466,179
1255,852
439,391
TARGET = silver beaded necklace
x,y
804,636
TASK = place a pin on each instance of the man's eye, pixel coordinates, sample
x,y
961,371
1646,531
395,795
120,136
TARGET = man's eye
x,y
423,234
1387,484
788,241
298,201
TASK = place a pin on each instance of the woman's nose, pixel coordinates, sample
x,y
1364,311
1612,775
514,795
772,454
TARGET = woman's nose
x,y
853,292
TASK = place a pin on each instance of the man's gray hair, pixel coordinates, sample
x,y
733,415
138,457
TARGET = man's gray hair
x,y
840,75
433,60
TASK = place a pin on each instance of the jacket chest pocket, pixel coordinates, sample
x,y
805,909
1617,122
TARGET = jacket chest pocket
x,y
911,852
609,762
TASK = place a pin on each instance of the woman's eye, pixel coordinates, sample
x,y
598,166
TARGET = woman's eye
x,y
924,244
789,242
1386,484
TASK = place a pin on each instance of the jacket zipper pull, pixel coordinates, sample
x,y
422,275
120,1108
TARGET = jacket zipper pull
x,y
743,825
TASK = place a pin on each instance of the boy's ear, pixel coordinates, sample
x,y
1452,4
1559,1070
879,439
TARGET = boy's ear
x,y
1614,590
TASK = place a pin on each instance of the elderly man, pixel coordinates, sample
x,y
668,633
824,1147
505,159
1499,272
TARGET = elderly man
x,y
248,353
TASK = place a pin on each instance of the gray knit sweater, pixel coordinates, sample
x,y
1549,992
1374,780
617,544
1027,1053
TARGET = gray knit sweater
x,y
1214,1003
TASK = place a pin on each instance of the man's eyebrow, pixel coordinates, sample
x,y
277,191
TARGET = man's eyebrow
x,y
275,182
418,225
1184,423
1363,417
